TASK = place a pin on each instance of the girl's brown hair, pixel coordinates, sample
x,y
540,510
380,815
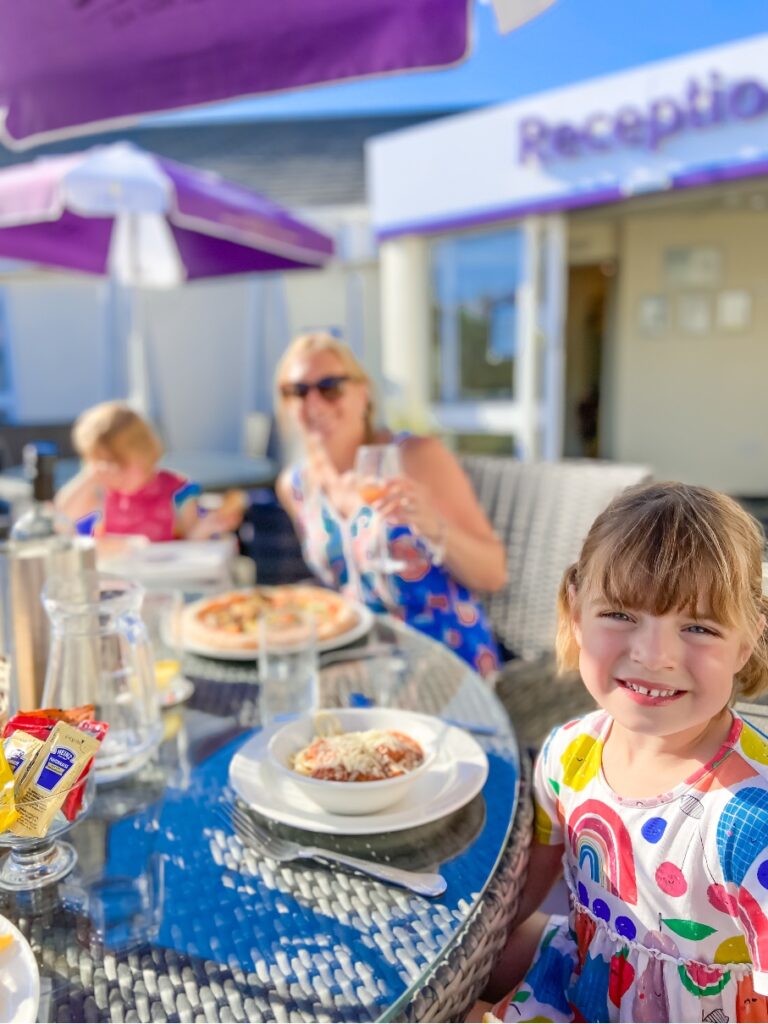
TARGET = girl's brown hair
x,y
114,430
667,546
320,341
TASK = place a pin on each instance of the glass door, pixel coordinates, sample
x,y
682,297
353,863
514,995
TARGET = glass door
x,y
497,336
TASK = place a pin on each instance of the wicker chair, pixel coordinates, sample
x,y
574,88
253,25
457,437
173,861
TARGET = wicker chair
x,y
542,511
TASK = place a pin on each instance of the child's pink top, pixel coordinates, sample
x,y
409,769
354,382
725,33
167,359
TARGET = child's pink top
x,y
149,511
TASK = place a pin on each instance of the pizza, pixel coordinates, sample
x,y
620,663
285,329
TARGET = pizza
x,y
232,621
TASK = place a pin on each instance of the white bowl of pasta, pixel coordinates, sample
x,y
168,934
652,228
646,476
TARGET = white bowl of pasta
x,y
355,760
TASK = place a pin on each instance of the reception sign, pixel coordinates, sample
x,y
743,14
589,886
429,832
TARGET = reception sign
x,y
673,124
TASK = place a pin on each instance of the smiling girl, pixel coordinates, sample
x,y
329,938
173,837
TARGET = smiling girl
x,y
655,807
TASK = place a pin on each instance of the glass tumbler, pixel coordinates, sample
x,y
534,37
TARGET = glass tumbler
x,y
161,611
288,673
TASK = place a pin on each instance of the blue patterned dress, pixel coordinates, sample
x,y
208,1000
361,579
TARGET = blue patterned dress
x,y
423,595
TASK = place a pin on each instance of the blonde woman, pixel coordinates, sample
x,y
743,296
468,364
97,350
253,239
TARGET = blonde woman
x,y
432,518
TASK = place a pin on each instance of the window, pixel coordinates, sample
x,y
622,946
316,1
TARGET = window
x,y
484,444
474,315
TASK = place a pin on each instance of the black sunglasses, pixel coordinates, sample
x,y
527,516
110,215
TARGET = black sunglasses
x,y
329,388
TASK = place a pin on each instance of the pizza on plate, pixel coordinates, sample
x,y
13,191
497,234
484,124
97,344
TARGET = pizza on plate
x,y
232,621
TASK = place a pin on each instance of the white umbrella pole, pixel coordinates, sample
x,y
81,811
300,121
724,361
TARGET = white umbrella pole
x,y
138,376
138,372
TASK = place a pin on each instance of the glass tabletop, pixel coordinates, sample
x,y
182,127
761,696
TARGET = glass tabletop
x,y
171,914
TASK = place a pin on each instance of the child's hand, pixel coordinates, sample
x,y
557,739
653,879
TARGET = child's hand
x,y
224,519
481,1013
230,513
103,474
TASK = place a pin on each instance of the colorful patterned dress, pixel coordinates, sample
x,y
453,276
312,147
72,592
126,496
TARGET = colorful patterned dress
x,y
424,595
669,895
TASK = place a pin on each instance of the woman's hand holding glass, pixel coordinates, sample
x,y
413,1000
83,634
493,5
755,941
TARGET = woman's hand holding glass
x,y
406,501
410,503
397,499
376,467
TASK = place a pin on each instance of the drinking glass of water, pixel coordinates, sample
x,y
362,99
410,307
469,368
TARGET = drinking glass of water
x,y
375,466
161,611
288,674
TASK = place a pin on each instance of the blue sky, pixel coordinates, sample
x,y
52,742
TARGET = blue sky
x,y
573,40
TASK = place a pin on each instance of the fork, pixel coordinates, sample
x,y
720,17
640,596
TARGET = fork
x,y
360,654
422,882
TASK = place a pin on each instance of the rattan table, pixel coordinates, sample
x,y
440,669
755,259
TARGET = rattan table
x,y
169,915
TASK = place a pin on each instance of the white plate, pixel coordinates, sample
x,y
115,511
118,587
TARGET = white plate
x,y
173,562
457,774
356,632
19,978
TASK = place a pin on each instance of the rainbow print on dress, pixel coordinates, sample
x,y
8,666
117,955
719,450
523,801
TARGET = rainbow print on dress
x,y
603,849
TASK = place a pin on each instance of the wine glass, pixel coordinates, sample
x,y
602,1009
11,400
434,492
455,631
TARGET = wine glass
x,y
375,466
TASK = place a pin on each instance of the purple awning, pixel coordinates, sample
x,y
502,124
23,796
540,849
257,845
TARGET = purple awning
x,y
69,66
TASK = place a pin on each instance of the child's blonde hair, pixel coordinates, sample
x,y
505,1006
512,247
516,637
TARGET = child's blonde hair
x,y
113,429
320,341
666,546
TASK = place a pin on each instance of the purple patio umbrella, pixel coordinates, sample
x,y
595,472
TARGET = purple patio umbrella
x,y
147,222
73,66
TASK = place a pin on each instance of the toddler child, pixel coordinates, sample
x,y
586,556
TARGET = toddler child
x,y
122,488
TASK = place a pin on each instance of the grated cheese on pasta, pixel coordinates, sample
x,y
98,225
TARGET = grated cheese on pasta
x,y
359,756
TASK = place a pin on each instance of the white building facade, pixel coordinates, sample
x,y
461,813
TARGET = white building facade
x,y
583,272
